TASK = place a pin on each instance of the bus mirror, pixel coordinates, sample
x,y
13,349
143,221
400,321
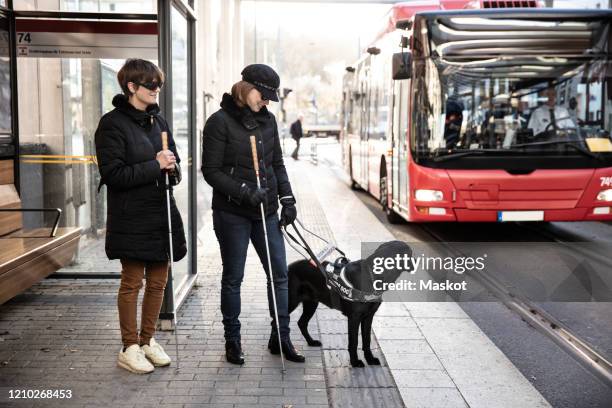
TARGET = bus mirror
x,y
404,25
373,50
402,65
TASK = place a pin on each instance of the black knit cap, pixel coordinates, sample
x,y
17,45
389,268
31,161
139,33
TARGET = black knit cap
x,y
265,79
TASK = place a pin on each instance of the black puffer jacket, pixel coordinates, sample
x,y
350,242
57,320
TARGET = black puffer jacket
x,y
127,142
227,161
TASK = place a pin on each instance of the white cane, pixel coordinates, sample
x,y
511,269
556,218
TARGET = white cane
x,y
270,274
164,137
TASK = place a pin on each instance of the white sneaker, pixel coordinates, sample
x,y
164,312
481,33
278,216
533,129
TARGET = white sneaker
x,y
133,359
156,354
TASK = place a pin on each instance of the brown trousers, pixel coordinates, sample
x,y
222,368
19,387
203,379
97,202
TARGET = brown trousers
x,y
131,282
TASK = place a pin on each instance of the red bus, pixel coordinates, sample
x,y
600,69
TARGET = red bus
x,y
458,114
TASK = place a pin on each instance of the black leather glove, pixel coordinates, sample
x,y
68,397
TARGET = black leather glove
x,y
288,215
254,197
175,175
289,212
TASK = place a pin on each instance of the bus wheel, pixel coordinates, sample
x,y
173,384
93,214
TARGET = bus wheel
x,y
392,216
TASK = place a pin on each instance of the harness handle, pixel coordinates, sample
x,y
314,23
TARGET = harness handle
x,y
302,243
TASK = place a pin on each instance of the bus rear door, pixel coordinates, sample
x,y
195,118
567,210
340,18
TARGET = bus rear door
x,y
400,144
366,90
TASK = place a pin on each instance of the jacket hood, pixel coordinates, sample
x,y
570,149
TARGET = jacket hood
x,y
143,118
244,115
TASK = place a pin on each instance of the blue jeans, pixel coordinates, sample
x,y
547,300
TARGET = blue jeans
x,y
233,233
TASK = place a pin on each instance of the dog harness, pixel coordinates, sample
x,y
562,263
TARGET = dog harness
x,y
336,280
334,273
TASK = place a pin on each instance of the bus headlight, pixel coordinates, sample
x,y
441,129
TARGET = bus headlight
x,y
605,195
428,195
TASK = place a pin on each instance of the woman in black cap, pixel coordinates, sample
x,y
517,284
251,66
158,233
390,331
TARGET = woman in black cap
x,y
227,165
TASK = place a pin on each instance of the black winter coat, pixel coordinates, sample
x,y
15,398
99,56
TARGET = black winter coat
x,y
227,161
296,130
127,142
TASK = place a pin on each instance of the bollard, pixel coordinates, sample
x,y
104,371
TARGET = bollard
x,y
313,153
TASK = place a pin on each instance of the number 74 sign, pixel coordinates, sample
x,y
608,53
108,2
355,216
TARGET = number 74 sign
x,y
86,39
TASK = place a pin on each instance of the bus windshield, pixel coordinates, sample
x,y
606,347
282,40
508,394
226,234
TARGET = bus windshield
x,y
476,96
534,105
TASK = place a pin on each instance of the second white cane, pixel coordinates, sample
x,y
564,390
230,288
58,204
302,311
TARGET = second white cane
x,y
164,136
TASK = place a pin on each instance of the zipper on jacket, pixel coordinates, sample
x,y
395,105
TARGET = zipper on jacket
x,y
263,172
229,198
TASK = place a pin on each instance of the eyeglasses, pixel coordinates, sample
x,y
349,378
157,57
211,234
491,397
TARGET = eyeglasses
x,y
151,86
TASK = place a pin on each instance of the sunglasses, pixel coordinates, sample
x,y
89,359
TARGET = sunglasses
x,y
151,86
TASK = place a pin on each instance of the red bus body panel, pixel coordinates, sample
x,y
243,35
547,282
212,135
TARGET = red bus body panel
x,y
478,195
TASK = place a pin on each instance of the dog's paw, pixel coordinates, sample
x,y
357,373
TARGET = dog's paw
x,y
357,363
314,343
372,360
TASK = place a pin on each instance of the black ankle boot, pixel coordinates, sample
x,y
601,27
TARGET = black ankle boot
x,y
273,342
289,351
233,352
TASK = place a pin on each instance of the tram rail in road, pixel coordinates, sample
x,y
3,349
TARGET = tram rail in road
x,y
556,236
538,318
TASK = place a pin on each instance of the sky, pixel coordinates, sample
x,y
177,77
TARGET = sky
x,y
310,45
315,24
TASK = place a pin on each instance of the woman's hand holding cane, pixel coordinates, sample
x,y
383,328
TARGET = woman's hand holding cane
x,y
166,158
255,197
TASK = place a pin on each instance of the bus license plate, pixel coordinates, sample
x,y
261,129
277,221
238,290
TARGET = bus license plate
x,y
503,216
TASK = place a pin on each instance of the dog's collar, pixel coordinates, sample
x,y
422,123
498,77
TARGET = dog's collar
x,y
337,281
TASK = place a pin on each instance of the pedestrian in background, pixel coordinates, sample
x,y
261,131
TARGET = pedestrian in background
x,y
132,163
227,165
296,134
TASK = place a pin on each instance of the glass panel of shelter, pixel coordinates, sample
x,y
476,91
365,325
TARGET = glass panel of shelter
x,y
181,127
61,101
5,83
64,100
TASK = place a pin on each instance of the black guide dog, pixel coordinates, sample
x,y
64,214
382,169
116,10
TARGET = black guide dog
x,y
307,286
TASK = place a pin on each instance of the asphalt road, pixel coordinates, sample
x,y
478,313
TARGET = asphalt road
x,y
558,376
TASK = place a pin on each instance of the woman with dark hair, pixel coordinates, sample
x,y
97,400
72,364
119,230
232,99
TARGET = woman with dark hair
x,y
132,165
227,165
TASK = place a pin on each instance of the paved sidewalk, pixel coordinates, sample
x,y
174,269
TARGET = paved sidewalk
x,y
437,355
